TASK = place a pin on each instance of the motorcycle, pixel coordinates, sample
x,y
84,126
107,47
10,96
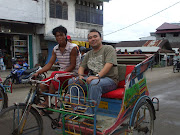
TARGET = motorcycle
x,y
176,65
21,74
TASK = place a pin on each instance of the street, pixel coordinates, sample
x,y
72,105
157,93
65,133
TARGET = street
x,y
168,92
162,83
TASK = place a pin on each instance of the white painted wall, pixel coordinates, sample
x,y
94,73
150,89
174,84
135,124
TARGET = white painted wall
x,y
23,10
70,24
36,48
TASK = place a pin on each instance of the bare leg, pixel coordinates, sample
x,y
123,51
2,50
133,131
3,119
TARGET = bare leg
x,y
44,88
51,90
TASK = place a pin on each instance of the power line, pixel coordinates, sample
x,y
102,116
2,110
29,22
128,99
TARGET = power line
x,y
143,19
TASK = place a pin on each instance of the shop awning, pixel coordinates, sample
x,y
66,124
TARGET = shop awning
x,y
104,0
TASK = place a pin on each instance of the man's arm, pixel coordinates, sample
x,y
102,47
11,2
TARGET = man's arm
x,y
106,69
73,56
102,73
81,71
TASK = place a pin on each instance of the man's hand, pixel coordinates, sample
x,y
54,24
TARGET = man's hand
x,y
35,75
89,79
81,78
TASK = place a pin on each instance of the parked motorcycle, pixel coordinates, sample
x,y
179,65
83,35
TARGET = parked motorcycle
x,y
21,74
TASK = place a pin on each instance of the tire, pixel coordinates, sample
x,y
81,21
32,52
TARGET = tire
x,y
142,120
8,81
3,99
11,116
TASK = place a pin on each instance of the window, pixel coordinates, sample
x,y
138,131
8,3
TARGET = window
x,y
89,12
163,35
175,34
58,10
52,8
65,11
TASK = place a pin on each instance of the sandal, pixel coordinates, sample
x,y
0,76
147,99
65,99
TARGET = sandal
x,y
42,106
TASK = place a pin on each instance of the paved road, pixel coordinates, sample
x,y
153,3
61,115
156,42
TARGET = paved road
x,y
168,92
162,83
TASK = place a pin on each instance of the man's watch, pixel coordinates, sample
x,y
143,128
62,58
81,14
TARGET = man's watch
x,y
97,75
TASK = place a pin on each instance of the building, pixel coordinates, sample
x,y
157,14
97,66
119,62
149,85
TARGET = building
x,y
170,32
26,26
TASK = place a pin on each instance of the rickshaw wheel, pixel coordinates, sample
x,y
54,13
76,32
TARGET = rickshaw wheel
x,y
142,120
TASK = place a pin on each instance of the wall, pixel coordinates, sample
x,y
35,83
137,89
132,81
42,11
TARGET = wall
x,y
169,36
75,30
23,10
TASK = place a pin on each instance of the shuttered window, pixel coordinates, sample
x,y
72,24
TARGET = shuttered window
x,y
52,9
65,11
89,12
58,10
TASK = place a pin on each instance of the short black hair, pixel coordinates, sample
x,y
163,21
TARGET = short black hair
x,y
94,30
59,29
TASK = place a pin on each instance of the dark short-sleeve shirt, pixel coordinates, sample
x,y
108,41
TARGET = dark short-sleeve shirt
x,y
95,61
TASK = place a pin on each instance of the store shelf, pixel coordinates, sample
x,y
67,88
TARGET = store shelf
x,y
20,50
20,45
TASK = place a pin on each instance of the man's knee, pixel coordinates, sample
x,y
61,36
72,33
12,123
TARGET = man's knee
x,y
70,81
94,82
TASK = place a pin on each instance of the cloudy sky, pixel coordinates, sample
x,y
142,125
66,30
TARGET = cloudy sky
x,y
119,14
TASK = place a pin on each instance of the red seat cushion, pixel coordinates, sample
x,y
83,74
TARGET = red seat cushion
x,y
118,93
129,69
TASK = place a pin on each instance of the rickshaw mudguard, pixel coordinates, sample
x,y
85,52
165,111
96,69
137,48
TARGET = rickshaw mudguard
x,y
139,101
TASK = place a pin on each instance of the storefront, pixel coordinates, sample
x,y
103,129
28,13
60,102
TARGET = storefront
x,y
16,42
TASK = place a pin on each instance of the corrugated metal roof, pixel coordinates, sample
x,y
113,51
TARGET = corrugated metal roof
x,y
167,31
131,43
143,49
168,26
162,44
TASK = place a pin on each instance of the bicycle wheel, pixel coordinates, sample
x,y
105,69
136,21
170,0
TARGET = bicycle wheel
x,y
3,99
13,122
143,120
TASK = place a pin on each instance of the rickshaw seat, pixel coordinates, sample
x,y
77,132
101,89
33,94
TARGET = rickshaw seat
x,y
123,71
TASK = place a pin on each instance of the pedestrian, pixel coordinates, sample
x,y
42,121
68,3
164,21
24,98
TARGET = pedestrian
x,y
102,62
68,59
126,52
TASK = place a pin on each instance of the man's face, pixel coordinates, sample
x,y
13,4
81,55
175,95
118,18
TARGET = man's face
x,y
60,37
94,39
